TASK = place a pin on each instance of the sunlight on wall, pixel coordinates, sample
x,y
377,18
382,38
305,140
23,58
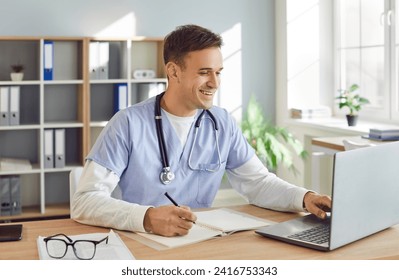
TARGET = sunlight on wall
x,y
303,53
230,91
125,26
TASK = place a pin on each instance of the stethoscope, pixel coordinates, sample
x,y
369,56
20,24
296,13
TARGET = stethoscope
x,y
166,176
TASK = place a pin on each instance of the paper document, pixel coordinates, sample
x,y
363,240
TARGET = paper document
x,y
209,224
114,250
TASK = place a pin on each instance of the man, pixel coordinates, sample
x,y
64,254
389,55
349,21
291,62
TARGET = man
x,y
142,145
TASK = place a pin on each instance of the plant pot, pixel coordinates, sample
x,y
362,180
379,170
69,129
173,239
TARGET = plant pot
x,y
352,120
17,76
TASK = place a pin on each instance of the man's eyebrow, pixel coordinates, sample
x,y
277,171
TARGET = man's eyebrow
x,y
209,68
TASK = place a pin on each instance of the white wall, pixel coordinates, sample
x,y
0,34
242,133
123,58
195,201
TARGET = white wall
x,y
155,18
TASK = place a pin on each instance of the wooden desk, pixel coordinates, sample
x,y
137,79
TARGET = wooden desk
x,y
332,145
323,148
242,245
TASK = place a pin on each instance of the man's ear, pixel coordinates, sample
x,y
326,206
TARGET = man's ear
x,y
172,71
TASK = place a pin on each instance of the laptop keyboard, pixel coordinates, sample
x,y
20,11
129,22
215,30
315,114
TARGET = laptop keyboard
x,y
319,234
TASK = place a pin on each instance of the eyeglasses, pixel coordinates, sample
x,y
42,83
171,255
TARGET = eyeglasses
x,y
57,246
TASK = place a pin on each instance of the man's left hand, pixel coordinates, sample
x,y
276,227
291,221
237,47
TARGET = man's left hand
x,y
317,204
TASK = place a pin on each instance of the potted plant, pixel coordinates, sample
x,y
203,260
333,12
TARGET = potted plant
x,y
270,142
351,99
17,73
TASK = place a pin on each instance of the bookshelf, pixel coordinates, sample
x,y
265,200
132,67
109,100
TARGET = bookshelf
x,y
75,100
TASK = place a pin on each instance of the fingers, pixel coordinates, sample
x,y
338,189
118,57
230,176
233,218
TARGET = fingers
x,y
186,214
169,220
317,204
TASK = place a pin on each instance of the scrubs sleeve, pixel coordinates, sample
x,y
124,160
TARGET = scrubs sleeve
x,y
113,145
92,203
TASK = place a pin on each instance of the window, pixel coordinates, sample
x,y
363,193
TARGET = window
x,y
367,53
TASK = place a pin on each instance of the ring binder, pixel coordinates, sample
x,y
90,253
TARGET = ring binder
x,y
48,148
48,56
59,149
4,106
14,105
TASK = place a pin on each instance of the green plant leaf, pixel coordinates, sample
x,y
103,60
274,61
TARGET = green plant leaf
x,y
353,88
273,145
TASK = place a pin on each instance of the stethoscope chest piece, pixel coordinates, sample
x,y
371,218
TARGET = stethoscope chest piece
x,y
166,175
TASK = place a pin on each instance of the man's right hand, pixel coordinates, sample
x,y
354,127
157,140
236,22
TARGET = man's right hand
x,y
169,220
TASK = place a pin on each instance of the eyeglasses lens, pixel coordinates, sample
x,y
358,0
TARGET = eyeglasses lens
x,y
85,250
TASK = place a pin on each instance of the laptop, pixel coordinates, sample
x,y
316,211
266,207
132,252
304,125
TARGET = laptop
x,y
365,200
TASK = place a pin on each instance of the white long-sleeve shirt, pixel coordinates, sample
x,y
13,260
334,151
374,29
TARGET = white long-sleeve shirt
x,y
93,204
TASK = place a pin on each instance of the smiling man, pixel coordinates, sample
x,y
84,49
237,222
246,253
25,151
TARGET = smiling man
x,y
181,144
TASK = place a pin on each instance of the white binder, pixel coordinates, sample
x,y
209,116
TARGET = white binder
x,y
59,158
5,196
99,60
93,60
14,105
15,193
103,62
4,106
48,148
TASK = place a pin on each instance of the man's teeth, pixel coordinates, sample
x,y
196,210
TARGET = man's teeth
x,y
206,92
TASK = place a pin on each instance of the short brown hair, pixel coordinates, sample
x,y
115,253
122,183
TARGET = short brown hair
x,y
188,38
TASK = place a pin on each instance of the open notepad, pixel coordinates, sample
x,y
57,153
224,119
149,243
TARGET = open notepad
x,y
209,224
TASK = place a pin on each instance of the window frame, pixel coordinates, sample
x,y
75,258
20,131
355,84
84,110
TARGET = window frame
x,y
389,112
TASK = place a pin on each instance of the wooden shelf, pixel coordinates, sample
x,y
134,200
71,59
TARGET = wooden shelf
x,y
74,100
29,213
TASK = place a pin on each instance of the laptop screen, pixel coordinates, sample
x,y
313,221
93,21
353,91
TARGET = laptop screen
x,y
365,192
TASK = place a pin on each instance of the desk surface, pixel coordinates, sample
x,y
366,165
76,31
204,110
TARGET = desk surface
x,y
335,143
241,245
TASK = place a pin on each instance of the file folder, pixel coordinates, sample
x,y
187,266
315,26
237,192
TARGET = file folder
x,y
103,60
93,60
4,106
120,97
48,148
59,147
5,196
48,62
15,193
14,105
99,60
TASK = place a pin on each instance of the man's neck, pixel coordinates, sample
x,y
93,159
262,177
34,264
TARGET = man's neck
x,y
173,106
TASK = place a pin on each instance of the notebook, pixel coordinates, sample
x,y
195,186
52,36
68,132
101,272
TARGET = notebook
x,y
209,224
365,200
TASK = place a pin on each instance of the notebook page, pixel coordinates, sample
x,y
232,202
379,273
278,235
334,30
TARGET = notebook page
x,y
196,234
229,220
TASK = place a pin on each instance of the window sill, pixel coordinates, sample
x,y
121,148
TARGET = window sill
x,y
337,125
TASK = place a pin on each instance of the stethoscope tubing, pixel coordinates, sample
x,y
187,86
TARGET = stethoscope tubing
x,y
162,146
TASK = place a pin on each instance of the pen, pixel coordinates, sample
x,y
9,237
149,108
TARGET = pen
x,y
174,203
171,199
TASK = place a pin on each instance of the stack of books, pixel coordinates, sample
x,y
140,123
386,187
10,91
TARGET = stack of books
x,y
311,112
384,134
13,164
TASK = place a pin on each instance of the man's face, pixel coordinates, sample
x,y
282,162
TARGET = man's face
x,y
200,78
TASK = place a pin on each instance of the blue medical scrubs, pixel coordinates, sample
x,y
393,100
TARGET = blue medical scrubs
x,y
128,146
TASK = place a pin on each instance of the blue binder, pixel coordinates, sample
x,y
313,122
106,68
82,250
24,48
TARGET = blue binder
x,y
48,60
121,99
